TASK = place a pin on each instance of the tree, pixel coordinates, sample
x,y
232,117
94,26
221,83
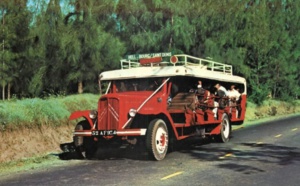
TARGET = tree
x,y
94,50
47,49
15,20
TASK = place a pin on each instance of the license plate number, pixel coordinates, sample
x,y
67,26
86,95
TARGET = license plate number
x,y
104,132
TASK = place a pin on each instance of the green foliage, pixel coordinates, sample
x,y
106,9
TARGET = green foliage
x,y
15,20
259,94
51,49
53,111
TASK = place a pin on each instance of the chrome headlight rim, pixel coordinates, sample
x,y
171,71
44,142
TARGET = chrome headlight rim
x,y
93,114
132,112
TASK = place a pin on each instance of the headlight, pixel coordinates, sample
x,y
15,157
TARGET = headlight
x,y
132,112
93,114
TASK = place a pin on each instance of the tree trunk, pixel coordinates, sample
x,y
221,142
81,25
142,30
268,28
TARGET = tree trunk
x,y
80,87
3,91
171,37
8,90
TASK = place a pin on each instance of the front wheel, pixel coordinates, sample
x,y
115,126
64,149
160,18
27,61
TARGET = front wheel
x,y
225,129
157,139
85,145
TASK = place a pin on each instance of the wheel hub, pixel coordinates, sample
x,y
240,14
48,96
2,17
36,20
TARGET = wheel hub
x,y
161,139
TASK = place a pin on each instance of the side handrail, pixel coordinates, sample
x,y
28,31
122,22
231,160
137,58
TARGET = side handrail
x,y
188,60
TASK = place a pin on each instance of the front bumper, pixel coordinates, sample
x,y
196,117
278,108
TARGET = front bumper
x,y
126,132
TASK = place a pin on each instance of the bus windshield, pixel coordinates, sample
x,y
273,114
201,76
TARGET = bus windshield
x,y
141,84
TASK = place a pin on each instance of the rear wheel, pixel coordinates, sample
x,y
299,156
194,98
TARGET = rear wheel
x,y
85,145
225,129
157,139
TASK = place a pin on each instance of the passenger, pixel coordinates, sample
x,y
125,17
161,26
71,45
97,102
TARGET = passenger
x,y
153,86
135,86
233,94
174,91
122,87
202,96
212,104
221,91
200,89
215,109
199,84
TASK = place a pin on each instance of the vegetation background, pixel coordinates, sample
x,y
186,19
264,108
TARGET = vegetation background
x,y
53,49
59,47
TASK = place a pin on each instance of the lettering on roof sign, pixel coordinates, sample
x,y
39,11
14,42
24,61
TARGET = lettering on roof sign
x,y
151,55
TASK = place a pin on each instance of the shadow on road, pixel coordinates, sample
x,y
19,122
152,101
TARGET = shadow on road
x,y
246,158
126,151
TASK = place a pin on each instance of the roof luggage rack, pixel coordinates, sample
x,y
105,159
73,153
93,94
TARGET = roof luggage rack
x,y
181,60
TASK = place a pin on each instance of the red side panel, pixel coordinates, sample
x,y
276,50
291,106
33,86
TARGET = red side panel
x,y
243,106
216,130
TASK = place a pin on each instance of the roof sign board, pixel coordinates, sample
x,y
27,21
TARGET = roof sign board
x,y
145,61
150,55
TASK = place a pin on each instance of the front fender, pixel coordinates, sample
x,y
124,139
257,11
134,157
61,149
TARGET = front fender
x,y
83,113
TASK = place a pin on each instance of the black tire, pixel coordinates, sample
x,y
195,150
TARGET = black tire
x,y
225,131
157,139
85,145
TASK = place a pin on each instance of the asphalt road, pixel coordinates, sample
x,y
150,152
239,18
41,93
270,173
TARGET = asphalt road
x,y
264,154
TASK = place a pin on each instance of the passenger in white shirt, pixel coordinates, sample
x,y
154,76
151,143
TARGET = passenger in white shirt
x,y
233,94
221,90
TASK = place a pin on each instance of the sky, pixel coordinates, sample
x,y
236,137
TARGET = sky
x,y
38,5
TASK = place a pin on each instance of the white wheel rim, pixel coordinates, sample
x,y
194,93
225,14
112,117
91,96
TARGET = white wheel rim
x,y
225,128
161,140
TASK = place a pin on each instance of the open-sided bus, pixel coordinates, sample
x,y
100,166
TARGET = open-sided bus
x,y
155,97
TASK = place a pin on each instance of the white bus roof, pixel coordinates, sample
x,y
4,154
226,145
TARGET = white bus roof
x,y
188,66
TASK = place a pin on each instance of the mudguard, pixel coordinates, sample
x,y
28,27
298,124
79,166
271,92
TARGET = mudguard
x,y
84,114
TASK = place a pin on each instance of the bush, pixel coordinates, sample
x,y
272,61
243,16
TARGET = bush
x,y
259,95
53,111
271,108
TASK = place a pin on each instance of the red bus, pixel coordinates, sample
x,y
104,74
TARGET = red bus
x,y
154,98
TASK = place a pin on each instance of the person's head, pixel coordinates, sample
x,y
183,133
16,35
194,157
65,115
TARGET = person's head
x,y
217,86
199,84
232,87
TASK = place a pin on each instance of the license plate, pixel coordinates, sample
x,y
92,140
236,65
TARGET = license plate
x,y
104,132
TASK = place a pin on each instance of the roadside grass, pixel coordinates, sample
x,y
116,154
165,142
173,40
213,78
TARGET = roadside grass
x,y
53,111
271,108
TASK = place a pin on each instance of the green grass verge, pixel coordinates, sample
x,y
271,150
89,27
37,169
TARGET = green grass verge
x,y
270,108
52,111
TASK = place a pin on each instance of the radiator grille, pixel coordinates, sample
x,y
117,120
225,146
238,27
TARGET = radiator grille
x,y
108,114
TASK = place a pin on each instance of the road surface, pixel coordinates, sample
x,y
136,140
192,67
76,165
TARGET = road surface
x,y
262,154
